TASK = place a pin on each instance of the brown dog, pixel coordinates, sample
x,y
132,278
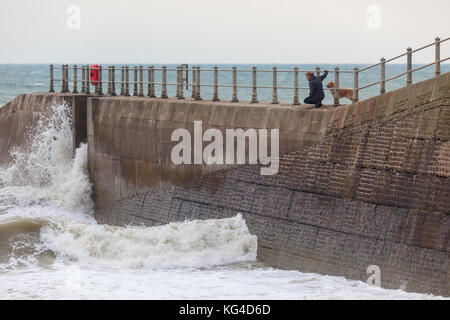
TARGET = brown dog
x,y
343,92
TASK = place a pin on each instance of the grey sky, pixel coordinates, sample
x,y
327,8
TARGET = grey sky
x,y
213,31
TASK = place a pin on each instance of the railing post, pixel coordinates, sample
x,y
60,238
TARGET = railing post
x,y
109,80
63,82
63,86
409,66
355,84
180,83
67,78
122,81
235,95
336,86
135,82
96,87
185,75
164,83
75,78
317,71
83,79
437,56
216,84
52,88
254,90
194,82
141,81
113,80
149,76
296,97
127,81
100,80
383,76
151,82
274,86
198,90
63,78
88,79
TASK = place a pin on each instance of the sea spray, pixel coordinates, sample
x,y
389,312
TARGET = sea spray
x,y
47,153
44,172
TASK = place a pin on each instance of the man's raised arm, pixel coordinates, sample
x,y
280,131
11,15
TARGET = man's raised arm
x,y
324,75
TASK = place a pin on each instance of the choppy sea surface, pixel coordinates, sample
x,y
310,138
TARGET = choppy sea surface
x,y
52,248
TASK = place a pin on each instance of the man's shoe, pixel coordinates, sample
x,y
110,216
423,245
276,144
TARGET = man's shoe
x,y
318,105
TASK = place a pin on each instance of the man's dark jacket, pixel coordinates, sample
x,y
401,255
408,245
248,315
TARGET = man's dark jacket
x,y
316,88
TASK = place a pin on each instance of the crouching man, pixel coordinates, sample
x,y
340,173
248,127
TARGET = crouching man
x,y
316,94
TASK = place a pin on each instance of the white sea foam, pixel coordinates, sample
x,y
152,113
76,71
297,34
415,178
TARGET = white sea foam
x,y
185,244
242,281
44,172
70,190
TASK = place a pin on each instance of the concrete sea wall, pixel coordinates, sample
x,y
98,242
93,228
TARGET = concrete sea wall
x,y
130,138
367,184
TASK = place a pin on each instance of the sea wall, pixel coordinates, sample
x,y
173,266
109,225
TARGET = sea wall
x,y
130,138
367,184
19,117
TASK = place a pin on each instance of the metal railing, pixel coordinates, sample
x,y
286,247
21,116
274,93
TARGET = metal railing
x,y
409,70
182,79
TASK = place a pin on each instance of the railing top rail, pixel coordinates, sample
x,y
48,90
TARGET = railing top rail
x,y
369,67
404,54
431,44
105,69
404,73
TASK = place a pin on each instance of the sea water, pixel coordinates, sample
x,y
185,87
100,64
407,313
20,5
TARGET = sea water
x,y
51,247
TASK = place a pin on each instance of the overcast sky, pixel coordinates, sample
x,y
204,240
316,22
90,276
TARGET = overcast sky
x,y
218,31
